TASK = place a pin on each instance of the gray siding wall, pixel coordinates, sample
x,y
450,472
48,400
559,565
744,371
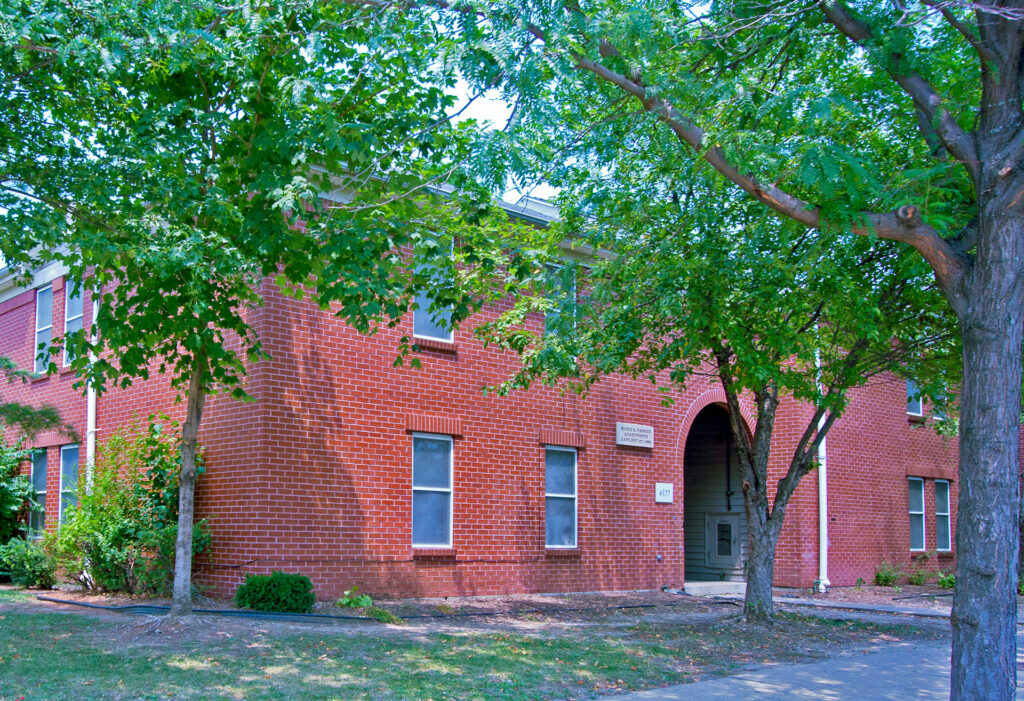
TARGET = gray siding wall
x,y
704,487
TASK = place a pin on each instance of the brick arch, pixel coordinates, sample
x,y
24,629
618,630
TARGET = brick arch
x,y
712,396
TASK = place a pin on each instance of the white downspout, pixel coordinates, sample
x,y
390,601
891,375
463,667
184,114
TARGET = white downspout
x,y
822,512
90,407
822,582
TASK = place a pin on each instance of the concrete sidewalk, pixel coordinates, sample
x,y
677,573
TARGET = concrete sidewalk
x,y
898,671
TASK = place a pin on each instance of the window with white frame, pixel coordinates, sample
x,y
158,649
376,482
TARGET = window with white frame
x,y
73,314
429,321
916,488
943,538
431,491
44,328
37,519
68,479
560,497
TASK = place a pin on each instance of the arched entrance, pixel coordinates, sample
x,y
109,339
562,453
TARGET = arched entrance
x,y
714,520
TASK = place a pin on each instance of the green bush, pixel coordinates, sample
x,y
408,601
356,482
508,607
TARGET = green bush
x,y
353,599
918,577
17,496
886,575
279,591
947,580
28,564
121,534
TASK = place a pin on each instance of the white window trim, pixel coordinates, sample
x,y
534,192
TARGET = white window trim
x,y
451,332
574,496
38,329
450,490
947,514
31,474
60,490
921,513
67,297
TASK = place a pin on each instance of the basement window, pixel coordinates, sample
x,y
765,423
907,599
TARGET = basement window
x,y
431,491
560,497
916,488
943,538
44,328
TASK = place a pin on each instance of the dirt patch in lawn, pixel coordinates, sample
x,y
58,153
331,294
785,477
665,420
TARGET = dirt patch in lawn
x,y
928,596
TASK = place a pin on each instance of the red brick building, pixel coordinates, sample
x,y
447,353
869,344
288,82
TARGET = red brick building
x,y
411,482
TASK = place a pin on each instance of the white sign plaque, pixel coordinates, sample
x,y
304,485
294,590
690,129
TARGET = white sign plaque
x,y
663,493
634,434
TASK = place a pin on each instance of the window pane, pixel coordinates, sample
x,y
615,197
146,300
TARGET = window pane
x,y
560,472
913,400
67,499
942,497
560,522
74,303
37,520
942,533
431,518
71,327
430,324
917,496
42,358
917,531
44,308
431,462
39,470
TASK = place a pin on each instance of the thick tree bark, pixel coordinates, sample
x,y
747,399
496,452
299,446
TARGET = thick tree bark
x,y
985,603
764,536
182,602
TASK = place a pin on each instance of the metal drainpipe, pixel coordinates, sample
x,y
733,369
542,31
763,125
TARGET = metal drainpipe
x,y
90,409
822,582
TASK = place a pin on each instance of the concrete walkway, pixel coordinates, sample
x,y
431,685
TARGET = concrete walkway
x,y
897,671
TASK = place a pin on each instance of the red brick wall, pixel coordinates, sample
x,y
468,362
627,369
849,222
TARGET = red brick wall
x,y
315,475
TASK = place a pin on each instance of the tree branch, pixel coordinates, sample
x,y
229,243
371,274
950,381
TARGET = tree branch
x,y
958,142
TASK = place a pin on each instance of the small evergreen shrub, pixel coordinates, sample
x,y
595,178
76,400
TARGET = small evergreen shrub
x,y
279,591
947,580
886,575
354,600
28,564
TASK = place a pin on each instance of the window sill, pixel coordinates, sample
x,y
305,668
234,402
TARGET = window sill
x,y
562,553
915,419
435,344
419,553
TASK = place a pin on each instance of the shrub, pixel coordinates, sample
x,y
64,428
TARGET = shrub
x,y
278,591
120,536
946,580
918,577
354,600
886,575
28,564
17,496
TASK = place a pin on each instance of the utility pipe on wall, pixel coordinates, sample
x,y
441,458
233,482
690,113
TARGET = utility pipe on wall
x,y
822,582
90,407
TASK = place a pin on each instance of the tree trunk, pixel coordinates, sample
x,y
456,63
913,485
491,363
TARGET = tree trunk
x,y
985,603
758,604
182,603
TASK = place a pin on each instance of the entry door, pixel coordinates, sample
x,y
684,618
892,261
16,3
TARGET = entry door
x,y
722,540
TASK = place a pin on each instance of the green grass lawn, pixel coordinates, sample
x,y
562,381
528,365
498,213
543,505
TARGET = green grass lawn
x,y
71,656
